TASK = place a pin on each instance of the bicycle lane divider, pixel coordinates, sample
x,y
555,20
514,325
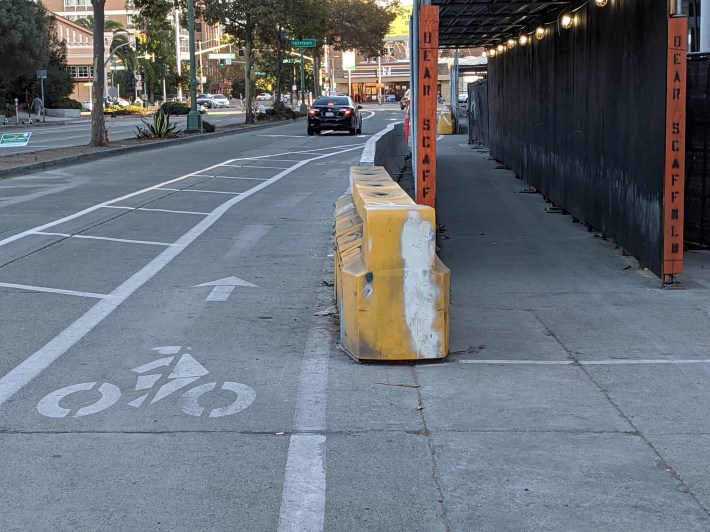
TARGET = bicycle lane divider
x,y
17,378
303,496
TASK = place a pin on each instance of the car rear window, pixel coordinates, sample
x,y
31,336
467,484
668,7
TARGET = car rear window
x,y
335,100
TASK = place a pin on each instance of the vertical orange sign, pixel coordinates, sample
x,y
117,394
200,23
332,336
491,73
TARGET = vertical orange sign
x,y
673,196
428,90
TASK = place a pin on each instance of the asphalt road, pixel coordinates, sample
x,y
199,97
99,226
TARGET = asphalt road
x,y
168,345
78,132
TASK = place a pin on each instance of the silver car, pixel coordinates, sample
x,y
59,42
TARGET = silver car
x,y
219,100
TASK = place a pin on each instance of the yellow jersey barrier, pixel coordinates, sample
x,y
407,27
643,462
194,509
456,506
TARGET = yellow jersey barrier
x,y
446,121
391,289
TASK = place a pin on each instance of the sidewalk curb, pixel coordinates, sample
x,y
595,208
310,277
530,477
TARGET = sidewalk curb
x,y
111,152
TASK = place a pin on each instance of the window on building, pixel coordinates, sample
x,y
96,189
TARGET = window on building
x,y
129,21
69,3
83,72
72,71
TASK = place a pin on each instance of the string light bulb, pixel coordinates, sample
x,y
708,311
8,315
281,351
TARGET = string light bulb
x,y
492,52
566,21
523,40
501,48
484,54
540,33
511,43
601,3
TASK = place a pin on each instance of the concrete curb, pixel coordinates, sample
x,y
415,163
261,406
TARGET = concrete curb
x,y
111,152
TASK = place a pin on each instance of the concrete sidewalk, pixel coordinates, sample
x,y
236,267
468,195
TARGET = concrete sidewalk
x,y
577,391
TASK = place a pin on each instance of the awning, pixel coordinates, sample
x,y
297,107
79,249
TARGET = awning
x,y
483,23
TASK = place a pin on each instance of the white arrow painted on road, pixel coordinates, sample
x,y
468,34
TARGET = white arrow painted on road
x,y
223,287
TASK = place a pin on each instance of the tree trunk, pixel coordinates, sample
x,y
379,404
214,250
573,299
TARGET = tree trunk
x,y
98,125
248,34
279,67
316,72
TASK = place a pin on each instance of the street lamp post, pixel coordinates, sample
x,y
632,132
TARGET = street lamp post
x,y
194,119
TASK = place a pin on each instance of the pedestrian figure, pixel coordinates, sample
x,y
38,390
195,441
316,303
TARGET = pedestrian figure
x,y
38,106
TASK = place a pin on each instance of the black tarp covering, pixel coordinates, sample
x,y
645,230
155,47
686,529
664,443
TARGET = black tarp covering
x,y
697,169
580,115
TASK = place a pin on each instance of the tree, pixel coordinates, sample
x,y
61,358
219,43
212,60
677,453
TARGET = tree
x,y
239,19
24,39
98,124
27,33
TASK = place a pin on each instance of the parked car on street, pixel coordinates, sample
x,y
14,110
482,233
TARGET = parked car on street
x,y
404,101
264,96
205,100
219,100
337,113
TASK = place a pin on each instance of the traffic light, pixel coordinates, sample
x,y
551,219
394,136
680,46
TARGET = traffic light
x,y
222,62
138,46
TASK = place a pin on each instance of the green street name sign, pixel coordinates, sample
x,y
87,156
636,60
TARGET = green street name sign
x,y
294,60
303,43
260,73
14,139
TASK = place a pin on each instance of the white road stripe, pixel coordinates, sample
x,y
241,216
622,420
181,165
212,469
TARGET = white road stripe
x,y
615,362
53,290
197,190
303,497
90,237
118,207
26,371
241,177
172,211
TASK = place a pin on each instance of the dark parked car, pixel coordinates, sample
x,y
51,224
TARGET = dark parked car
x,y
337,113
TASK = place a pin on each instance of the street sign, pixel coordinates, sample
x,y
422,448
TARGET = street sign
x,y
303,43
10,140
138,77
260,73
228,61
41,74
221,56
139,85
113,92
118,67
292,60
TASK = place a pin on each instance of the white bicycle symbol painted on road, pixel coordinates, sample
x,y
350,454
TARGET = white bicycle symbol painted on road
x,y
185,371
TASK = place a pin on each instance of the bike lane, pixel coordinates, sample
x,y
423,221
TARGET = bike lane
x,y
236,307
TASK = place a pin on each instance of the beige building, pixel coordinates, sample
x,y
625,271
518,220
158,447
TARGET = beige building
x,y
80,54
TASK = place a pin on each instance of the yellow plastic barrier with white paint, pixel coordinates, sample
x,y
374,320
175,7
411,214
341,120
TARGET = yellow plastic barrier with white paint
x,y
391,288
446,121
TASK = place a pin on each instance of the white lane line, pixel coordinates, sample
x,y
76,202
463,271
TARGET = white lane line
x,y
154,210
197,190
26,371
275,160
240,177
235,177
368,154
93,208
290,136
53,290
614,362
172,211
89,237
303,496
368,117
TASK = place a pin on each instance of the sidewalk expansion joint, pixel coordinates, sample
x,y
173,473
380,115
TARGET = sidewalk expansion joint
x,y
661,461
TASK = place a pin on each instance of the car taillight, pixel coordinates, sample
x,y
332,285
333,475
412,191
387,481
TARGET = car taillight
x,y
347,112
313,112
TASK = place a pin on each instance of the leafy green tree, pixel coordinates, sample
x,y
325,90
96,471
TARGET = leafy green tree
x,y
33,30
24,39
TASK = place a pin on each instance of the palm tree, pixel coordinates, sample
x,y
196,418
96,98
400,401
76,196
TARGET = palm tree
x,y
109,25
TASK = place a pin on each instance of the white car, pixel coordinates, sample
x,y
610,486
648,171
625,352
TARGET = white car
x,y
264,96
220,100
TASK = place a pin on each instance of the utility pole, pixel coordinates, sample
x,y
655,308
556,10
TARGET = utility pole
x,y
303,85
177,52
